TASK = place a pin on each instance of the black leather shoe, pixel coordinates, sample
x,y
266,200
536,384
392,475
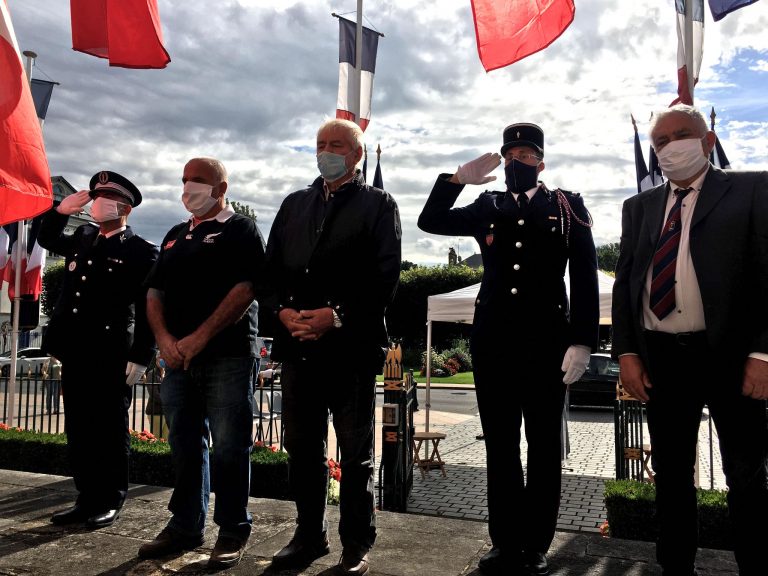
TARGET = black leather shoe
x,y
168,542
70,516
301,552
492,562
103,520
353,564
227,552
535,564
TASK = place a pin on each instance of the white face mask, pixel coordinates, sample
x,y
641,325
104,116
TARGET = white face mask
x,y
681,159
105,209
197,198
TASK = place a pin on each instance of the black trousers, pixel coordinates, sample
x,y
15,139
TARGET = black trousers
x,y
686,376
96,401
518,381
311,391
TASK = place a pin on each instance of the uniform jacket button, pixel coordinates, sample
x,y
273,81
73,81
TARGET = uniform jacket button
x,y
514,290
90,262
518,244
82,278
521,222
74,310
516,266
77,294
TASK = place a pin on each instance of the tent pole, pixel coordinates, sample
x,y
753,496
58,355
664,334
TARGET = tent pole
x,y
429,370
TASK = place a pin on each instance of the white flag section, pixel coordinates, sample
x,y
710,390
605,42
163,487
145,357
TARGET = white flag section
x,y
695,44
348,86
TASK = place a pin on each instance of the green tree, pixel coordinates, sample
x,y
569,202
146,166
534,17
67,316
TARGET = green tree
x,y
406,265
607,256
53,280
407,316
244,209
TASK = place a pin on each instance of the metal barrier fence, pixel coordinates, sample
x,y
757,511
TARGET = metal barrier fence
x,y
39,407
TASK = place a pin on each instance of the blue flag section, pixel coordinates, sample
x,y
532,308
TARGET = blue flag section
x,y
640,168
378,181
650,175
718,157
350,91
41,94
721,8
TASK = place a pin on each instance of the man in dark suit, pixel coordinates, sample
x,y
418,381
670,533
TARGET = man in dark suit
x,y
527,339
690,327
100,333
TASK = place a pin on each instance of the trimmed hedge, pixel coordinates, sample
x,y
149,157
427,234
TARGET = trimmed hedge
x,y
151,462
631,507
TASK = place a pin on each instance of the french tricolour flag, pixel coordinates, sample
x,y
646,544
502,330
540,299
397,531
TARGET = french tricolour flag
x,y
348,86
684,91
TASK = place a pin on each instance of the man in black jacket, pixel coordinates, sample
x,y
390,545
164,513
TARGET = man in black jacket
x,y
528,341
333,260
99,331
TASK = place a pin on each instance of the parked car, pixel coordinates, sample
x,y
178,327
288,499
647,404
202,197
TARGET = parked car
x,y
597,387
28,361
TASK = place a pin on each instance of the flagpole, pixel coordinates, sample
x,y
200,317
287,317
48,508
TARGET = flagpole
x,y
689,45
21,248
358,62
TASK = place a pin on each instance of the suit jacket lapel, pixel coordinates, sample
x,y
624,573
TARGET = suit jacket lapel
x,y
655,205
716,185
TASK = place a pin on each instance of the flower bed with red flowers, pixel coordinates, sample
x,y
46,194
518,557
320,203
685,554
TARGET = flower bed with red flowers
x,y
151,462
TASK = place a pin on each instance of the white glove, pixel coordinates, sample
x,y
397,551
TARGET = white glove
x,y
475,171
73,204
575,363
133,373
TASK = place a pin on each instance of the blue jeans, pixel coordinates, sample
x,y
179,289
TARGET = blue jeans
x,y
210,402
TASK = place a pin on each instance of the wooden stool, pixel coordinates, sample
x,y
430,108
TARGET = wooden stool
x,y
431,458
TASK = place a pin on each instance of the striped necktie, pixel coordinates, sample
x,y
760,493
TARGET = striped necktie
x,y
662,300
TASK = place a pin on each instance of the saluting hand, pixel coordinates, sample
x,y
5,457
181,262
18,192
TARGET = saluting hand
x,y
476,171
755,379
73,204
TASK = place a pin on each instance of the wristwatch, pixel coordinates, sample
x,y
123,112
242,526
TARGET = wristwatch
x,y
336,319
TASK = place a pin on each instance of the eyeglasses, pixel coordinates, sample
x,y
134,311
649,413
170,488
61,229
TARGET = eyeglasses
x,y
524,157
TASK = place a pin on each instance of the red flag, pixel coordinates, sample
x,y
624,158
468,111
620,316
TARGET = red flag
x,y
126,32
510,31
684,90
25,182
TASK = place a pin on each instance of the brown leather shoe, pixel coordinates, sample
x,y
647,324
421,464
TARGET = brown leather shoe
x,y
301,552
227,552
168,542
353,564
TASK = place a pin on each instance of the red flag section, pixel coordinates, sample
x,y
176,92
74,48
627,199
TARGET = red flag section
x,y
25,182
510,31
126,32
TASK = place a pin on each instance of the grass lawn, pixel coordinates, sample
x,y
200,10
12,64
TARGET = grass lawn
x,y
458,378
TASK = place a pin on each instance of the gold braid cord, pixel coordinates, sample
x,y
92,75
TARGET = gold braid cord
x,y
566,212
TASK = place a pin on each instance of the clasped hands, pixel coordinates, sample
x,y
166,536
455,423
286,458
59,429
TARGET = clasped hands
x,y
307,325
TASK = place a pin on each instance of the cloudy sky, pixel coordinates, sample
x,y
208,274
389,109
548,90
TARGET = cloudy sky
x,y
251,80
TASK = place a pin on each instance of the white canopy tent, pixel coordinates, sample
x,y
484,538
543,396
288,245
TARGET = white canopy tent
x,y
459,307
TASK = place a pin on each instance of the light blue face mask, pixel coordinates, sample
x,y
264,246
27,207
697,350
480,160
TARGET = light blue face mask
x,y
332,166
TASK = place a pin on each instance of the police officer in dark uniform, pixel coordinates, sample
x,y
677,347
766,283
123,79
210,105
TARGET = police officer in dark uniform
x,y
528,341
100,333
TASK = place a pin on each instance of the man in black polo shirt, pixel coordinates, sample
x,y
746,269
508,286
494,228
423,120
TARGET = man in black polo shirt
x,y
202,310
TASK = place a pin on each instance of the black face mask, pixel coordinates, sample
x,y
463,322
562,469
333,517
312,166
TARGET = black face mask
x,y
520,177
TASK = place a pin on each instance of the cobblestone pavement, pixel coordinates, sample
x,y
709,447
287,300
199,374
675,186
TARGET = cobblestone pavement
x,y
462,493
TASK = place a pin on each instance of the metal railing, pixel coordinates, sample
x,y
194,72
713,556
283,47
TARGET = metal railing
x,y
40,407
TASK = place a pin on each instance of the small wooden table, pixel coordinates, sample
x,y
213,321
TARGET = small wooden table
x,y
431,459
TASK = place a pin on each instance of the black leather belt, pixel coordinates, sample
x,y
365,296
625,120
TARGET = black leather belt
x,y
679,339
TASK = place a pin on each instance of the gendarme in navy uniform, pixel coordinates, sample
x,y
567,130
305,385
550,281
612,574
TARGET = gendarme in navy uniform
x,y
528,341
99,331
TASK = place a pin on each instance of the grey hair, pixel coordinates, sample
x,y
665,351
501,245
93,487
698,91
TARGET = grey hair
x,y
690,111
353,131
218,167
